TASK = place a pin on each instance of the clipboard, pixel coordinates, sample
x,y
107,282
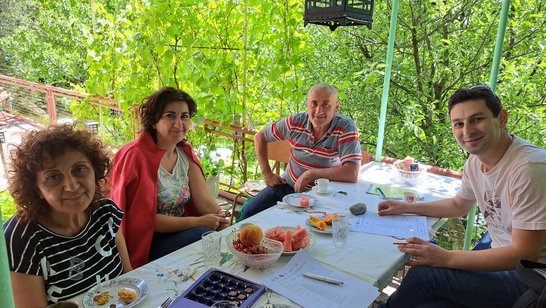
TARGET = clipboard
x,y
389,192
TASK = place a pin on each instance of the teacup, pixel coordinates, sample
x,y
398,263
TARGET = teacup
x,y
322,185
410,197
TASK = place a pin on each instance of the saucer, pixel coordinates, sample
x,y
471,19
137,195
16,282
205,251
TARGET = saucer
x,y
328,191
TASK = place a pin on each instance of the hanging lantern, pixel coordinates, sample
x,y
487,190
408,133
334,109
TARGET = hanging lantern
x,y
2,137
92,127
335,13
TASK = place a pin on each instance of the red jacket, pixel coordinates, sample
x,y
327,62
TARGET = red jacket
x,y
134,189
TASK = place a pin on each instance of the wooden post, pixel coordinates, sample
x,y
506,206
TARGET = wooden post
x,y
51,106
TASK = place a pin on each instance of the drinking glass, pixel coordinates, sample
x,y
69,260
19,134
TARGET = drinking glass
x,y
212,248
340,229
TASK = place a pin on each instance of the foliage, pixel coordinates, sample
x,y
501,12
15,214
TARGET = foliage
x,y
41,40
7,205
250,62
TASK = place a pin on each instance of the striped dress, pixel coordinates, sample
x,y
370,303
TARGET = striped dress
x,y
70,265
339,145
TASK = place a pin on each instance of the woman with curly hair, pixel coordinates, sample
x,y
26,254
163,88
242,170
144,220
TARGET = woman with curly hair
x,y
158,181
64,237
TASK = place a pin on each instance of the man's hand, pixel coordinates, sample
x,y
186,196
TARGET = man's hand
x,y
305,179
391,207
424,253
272,179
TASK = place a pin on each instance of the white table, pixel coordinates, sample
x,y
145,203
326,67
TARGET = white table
x,y
372,258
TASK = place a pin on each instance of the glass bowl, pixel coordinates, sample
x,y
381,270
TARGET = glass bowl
x,y
412,178
258,261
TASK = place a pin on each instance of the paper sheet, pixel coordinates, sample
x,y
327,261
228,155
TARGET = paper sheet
x,y
290,282
400,226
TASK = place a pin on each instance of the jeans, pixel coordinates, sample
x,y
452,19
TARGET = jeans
x,y
165,243
265,199
426,286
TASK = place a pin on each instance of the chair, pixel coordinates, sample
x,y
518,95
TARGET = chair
x,y
279,153
484,242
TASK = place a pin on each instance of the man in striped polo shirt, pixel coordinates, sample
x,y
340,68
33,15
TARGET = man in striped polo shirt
x,y
324,144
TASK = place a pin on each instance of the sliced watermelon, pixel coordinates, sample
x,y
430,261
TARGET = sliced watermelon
x,y
299,234
288,241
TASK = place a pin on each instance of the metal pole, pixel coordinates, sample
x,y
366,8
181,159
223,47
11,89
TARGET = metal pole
x,y
498,45
471,217
386,81
6,294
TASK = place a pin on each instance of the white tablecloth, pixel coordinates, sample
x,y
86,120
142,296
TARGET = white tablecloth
x,y
372,258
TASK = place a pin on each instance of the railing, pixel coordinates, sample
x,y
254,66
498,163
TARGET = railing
x,y
41,105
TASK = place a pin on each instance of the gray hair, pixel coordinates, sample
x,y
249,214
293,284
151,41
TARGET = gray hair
x,y
324,86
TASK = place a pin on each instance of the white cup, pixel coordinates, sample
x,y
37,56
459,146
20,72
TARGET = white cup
x,y
340,230
212,248
410,196
322,185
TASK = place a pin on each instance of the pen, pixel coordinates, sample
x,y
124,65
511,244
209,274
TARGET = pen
x,y
381,192
324,279
405,243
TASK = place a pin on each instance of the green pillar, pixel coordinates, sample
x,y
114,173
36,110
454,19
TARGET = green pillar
x,y
498,45
6,294
386,81
471,217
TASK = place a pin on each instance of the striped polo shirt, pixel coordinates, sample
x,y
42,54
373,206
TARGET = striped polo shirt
x,y
339,145
70,265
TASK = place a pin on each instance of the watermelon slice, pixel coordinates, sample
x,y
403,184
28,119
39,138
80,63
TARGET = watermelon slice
x,y
288,241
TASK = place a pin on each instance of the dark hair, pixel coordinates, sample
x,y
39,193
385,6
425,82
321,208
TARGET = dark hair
x,y
476,93
40,147
153,106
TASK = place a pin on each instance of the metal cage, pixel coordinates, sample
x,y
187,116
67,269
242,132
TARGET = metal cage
x,y
335,13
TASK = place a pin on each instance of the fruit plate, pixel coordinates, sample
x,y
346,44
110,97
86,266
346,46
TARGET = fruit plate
x,y
310,244
113,287
294,200
327,229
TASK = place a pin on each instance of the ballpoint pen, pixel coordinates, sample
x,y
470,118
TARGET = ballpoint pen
x,y
380,191
405,243
324,279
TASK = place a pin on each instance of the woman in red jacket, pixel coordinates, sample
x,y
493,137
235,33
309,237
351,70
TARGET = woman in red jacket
x,y
158,181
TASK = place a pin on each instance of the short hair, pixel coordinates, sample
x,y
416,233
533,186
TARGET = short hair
x,y
476,93
324,86
40,147
154,105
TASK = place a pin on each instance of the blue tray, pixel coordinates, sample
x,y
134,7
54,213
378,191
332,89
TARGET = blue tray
x,y
215,285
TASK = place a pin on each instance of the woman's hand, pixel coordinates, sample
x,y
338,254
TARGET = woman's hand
x,y
213,221
422,252
391,207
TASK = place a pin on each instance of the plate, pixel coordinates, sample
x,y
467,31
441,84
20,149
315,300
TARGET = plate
x,y
310,244
254,186
294,200
113,286
327,230
328,191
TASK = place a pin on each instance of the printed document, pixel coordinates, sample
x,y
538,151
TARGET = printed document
x,y
290,282
399,226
